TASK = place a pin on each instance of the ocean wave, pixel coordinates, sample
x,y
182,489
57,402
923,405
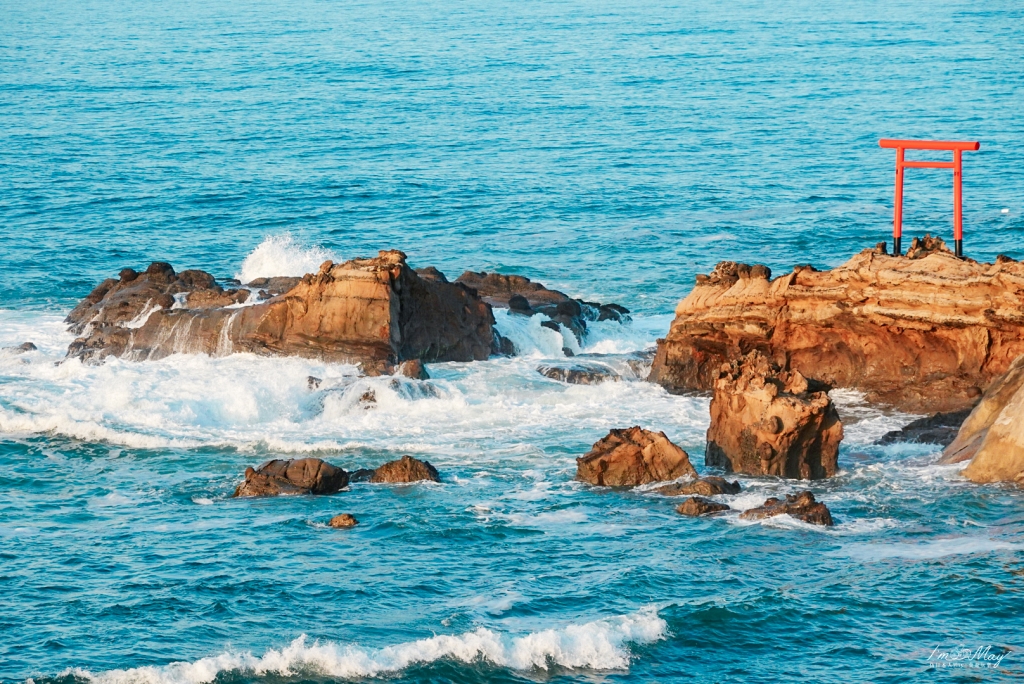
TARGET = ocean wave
x,y
598,645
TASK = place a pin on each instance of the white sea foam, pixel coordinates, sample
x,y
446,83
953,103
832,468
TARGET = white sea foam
x,y
598,645
281,255
927,550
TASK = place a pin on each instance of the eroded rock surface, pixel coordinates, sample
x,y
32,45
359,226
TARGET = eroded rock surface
x,y
405,469
579,373
802,506
697,505
992,436
923,334
374,312
631,457
767,421
711,485
300,476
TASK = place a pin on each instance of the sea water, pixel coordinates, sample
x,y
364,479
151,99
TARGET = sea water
x,y
612,150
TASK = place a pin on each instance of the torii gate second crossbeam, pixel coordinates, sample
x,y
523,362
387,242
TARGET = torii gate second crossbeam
x,y
957,148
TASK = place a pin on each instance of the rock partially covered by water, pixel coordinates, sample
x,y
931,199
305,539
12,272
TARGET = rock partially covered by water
x,y
579,373
523,296
631,457
697,505
992,436
801,506
711,485
374,312
21,348
923,334
766,421
300,476
940,428
405,469
343,521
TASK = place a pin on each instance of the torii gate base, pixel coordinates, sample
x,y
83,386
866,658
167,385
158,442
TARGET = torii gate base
x,y
956,147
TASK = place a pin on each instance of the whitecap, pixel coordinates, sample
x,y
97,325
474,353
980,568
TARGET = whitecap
x,y
598,645
927,550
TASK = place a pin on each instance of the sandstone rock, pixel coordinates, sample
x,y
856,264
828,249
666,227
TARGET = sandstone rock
x,y
579,373
705,486
406,469
992,436
940,428
766,421
924,334
634,456
300,476
374,312
801,506
697,505
343,521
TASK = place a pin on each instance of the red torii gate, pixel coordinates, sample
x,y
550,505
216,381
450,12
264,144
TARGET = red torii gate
x,y
957,148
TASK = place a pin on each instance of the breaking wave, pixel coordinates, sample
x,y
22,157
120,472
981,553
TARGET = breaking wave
x,y
281,255
598,645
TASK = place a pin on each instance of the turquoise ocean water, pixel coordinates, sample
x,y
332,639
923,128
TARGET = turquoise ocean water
x,y
612,150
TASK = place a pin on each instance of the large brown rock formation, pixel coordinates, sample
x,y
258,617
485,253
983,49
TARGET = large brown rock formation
x,y
375,312
925,334
767,421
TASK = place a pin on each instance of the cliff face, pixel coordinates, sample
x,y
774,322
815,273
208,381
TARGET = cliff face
x,y
374,312
926,332
992,437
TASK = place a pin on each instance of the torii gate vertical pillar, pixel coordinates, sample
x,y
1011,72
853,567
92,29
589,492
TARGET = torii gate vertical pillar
x,y
957,148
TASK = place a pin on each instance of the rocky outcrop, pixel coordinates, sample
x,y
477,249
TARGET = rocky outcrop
x,y
405,469
924,334
992,436
697,506
801,506
767,421
374,312
300,476
579,373
940,428
520,295
21,348
705,486
343,521
631,457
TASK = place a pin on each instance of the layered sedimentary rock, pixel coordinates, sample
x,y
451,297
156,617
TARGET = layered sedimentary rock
x,y
992,436
801,506
374,312
767,421
631,457
301,476
926,332
520,295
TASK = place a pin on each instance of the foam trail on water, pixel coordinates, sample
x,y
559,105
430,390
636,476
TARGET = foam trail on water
x,y
281,255
599,645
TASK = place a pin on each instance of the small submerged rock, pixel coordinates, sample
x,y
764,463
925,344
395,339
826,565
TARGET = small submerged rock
x,y
343,521
413,369
801,506
405,469
697,505
711,485
21,348
631,457
579,373
300,476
